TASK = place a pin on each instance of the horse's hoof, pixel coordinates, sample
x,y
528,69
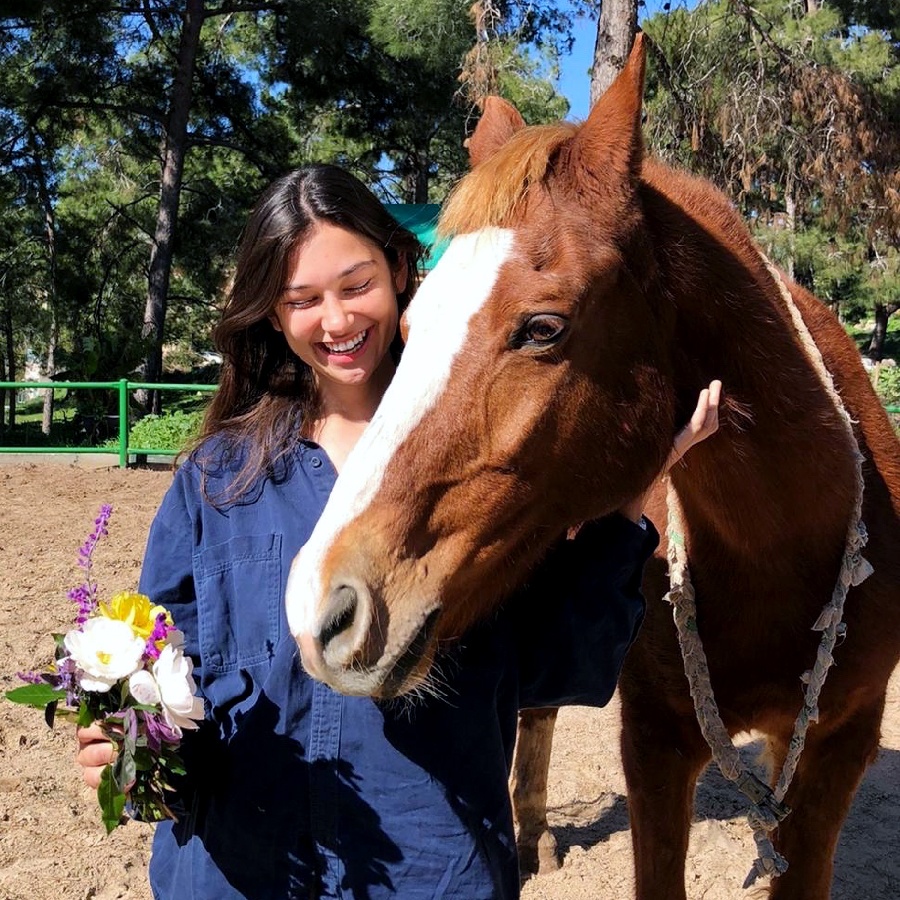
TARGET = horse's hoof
x,y
538,855
548,853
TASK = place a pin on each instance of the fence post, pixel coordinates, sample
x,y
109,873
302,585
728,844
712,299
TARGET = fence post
x,y
123,423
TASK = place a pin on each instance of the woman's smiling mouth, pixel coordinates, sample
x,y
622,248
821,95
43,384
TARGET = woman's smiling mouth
x,y
347,347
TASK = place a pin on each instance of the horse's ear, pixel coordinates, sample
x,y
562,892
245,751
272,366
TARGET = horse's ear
x,y
609,142
499,121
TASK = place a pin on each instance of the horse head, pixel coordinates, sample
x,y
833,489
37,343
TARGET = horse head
x,y
534,392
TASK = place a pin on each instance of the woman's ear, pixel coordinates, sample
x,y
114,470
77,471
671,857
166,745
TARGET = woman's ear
x,y
404,327
401,274
275,323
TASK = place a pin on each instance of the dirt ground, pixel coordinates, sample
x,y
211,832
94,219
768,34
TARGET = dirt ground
x,y
52,844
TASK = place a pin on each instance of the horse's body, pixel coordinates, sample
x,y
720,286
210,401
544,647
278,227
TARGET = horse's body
x,y
590,296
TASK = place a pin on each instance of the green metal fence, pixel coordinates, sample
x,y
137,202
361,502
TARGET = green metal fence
x,y
124,388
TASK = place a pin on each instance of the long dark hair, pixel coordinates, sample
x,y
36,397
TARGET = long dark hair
x,y
267,396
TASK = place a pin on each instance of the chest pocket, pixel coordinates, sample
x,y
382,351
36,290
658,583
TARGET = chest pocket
x,y
239,601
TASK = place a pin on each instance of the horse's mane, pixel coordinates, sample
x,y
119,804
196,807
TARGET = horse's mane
x,y
491,194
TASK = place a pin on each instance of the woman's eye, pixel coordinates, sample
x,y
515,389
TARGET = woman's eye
x,y
359,288
542,330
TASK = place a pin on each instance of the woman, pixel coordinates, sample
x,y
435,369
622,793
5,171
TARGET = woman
x,y
293,791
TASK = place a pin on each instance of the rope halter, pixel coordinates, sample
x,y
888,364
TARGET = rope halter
x,y
767,807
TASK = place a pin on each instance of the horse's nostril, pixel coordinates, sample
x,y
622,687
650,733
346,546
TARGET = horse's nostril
x,y
344,603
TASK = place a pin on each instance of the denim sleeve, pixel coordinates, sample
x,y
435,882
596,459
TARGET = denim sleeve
x,y
579,612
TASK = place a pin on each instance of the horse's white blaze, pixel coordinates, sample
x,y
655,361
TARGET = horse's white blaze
x,y
439,319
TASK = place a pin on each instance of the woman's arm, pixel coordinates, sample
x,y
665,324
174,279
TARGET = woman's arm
x,y
581,610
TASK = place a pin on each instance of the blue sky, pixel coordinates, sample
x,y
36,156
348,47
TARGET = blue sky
x,y
575,77
575,70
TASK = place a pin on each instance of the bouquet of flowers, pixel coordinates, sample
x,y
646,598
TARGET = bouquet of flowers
x,y
122,666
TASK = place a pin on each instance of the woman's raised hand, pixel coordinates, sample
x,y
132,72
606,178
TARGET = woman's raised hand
x,y
703,423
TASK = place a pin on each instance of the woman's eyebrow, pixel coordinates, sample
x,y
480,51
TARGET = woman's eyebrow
x,y
348,271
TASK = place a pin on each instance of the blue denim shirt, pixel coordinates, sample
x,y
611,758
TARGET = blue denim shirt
x,y
294,791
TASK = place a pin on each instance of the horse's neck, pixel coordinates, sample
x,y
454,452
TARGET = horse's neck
x,y
782,467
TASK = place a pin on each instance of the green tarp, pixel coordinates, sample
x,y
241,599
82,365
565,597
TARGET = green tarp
x,y
421,220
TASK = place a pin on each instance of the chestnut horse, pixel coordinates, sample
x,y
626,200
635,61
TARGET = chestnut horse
x,y
586,298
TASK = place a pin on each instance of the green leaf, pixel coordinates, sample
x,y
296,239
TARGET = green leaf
x,y
37,695
111,800
85,715
125,764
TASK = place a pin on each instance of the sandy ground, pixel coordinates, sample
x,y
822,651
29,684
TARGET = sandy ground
x,y
52,844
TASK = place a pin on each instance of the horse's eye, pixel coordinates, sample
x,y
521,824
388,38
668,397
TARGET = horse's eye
x,y
539,331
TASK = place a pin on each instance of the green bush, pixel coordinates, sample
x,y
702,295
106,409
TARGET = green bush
x,y
888,385
167,432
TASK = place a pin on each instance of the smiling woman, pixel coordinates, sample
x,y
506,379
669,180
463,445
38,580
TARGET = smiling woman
x,y
291,788
338,314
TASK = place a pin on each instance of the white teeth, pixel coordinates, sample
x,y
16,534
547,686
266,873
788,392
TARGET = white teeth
x,y
347,346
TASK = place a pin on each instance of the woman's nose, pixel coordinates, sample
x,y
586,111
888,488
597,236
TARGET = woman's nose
x,y
335,318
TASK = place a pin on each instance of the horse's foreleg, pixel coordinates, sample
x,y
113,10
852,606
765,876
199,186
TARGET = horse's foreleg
x,y
528,787
829,772
662,761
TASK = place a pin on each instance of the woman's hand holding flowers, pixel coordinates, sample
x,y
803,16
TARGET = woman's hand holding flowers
x,y
95,752
122,676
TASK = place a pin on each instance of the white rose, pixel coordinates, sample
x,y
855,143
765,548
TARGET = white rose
x,y
173,672
105,650
142,686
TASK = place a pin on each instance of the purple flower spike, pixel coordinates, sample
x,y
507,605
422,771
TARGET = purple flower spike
x,y
160,632
85,595
30,677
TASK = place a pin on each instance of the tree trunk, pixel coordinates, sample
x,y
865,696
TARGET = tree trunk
x,y
790,224
174,151
420,182
2,396
883,312
47,414
615,35
10,363
50,234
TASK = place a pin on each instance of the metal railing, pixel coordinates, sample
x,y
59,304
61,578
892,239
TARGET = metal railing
x,y
124,387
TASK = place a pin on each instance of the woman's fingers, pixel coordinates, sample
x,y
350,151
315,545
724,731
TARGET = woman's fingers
x,y
90,734
703,423
95,752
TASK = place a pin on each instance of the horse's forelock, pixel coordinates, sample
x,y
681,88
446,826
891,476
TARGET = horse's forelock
x,y
491,195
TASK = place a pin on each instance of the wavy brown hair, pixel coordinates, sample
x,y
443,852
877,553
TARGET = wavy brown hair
x,y
267,396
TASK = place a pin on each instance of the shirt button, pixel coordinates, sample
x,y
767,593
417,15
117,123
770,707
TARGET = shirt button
x,y
315,462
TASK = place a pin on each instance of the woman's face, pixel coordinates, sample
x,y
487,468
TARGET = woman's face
x,y
338,310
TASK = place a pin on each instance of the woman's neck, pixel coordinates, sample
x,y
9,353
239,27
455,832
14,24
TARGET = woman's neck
x,y
344,412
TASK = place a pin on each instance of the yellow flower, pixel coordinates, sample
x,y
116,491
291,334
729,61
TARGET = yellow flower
x,y
135,610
